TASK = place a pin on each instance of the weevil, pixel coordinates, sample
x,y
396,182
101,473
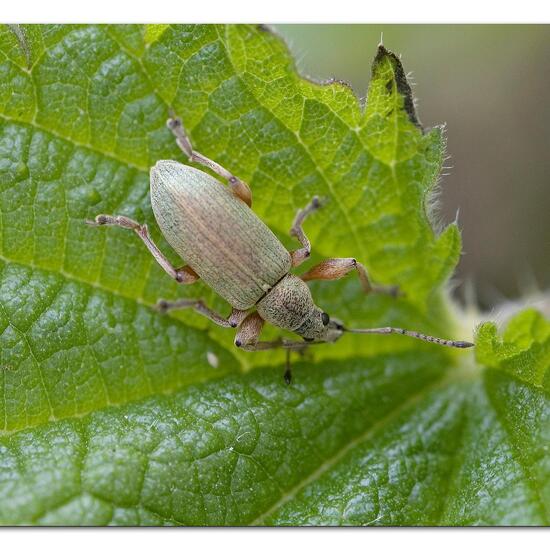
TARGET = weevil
x,y
212,227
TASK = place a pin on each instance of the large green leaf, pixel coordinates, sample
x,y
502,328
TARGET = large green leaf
x,y
113,414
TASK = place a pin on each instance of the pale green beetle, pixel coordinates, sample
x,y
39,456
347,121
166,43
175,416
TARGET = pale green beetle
x,y
213,229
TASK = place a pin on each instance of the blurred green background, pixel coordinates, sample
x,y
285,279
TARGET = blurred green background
x,y
490,84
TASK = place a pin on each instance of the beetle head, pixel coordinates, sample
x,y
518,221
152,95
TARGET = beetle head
x,y
289,305
319,327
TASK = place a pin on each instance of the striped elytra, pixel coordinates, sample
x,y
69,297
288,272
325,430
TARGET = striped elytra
x,y
216,233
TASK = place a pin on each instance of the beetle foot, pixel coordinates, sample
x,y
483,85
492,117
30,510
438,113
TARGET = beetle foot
x,y
318,202
120,221
102,219
162,306
173,122
288,377
395,292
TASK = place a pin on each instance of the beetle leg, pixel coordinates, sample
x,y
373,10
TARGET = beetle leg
x,y
237,316
239,187
184,275
336,268
293,345
249,331
200,307
302,254
288,370
288,345
234,320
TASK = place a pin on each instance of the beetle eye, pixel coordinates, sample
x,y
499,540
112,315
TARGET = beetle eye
x,y
325,318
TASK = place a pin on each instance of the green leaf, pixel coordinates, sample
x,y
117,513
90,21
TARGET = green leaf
x,y
523,351
114,414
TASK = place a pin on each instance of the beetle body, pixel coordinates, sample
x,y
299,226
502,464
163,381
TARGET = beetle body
x,y
231,249
217,234
213,229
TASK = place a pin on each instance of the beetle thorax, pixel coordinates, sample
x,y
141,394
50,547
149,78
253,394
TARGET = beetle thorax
x,y
289,305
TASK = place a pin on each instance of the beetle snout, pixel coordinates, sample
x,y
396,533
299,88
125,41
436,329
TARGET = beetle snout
x,y
335,329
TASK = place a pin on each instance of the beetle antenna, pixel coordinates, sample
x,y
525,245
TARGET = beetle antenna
x,y
412,334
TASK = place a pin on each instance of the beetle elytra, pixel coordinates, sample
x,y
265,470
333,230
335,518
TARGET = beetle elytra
x,y
212,227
